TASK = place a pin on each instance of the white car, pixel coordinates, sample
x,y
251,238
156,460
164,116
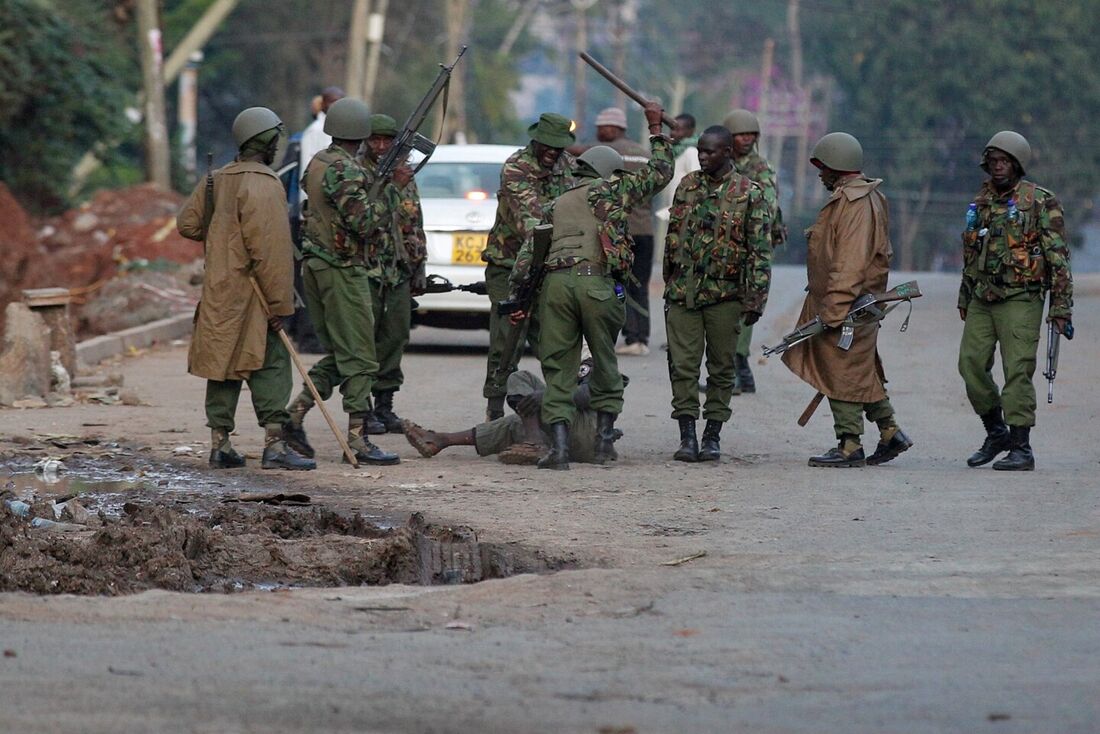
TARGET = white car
x,y
458,193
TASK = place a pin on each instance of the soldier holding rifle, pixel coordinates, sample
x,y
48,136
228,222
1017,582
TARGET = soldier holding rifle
x,y
848,256
589,255
1014,249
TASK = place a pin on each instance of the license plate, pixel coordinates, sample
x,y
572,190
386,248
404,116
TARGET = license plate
x,y
467,247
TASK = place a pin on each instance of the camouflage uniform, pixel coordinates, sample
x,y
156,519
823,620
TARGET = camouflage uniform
x,y
334,273
757,169
584,268
525,189
717,264
1005,275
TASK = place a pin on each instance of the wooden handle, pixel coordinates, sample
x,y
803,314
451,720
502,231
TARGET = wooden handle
x,y
623,86
305,378
810,409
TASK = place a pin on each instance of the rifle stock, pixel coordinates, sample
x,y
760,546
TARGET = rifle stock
x,y
522,299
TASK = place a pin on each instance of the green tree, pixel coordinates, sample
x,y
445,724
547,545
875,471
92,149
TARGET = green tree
x,y
63,88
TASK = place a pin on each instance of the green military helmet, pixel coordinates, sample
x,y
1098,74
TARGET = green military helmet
x,y
839,152
383,125
348,119
1010,142
252,122
604,160
742,121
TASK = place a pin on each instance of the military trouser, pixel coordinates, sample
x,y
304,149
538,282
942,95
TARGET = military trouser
x,y
392,306
636,328
496,282
270,387
690,331
339,304
495,436
573,306
848,416
1015,324
744,340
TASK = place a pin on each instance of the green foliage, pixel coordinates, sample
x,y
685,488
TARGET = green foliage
x,y
62,91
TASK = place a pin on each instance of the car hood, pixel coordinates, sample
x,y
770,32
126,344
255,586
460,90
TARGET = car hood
x,y
458,214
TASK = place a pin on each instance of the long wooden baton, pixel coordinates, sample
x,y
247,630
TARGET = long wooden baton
x,y
810,409
305,378
623,86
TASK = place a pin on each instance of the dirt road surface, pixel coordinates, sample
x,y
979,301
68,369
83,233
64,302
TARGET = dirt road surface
x,y
920,596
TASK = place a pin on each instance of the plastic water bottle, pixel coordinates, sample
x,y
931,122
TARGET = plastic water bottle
x,y
1013,212
971,217
620,292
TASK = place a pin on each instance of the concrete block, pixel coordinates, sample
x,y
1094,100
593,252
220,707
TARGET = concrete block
x,y
25,357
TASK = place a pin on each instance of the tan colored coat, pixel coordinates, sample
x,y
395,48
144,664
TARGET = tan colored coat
x,y
848,255
249,235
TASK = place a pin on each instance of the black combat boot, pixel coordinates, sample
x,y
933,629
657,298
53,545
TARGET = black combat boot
x,y
494,409
222,453
996,439
606,436
689,444
1020,457
711,448
383,411
558,458
848,453
892,442
374,426
293,432
279,455
745,380
365,451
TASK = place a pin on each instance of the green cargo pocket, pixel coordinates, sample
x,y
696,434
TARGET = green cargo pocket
x,y
600,294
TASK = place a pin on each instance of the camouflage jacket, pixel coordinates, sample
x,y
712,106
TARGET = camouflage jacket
x,y
1021,250
345,187
397,247
525,189
718,246
612,200
758,170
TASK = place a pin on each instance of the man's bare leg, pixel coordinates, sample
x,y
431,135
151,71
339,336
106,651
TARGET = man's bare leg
x,y
430,443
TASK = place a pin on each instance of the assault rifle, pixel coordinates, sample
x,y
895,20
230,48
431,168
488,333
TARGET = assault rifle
x,y
409,138
867,309
522,299
439,284
1053,342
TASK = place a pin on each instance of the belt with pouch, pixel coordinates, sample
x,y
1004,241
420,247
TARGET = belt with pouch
x,y
584,267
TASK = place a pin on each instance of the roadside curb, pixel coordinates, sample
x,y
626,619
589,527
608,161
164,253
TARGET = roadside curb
x,y
93,351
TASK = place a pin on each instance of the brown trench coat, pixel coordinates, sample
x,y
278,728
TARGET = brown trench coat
x,y
249,235
848,255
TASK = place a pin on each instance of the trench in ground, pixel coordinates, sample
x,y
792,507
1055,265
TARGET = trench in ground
x,y
151,525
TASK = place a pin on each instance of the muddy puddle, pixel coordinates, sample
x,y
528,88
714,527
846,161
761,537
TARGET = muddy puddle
x,y
119,525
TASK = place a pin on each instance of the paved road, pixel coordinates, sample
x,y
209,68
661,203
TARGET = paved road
x,y
921,596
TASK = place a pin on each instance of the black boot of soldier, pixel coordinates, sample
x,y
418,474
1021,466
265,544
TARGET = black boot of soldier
x,y
711,449
494,409
383,411
996,439
374,426
606,435
293,432
848,453
1020,456
222,453
689,444
365,451
558,458
279,455
744,374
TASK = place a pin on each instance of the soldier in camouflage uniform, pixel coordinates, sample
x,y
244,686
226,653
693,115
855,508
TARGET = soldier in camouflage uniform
x,y
582,295
339,216
717,268
1014,250
531,178
396,251
747,161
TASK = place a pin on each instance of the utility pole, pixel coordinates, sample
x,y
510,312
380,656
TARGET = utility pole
x,y
765,89
453,127
800,163
157,157
357,47
197,37
187,110
580,85
376,26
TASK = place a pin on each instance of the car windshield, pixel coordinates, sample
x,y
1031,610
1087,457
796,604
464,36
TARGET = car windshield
x,y
458,180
